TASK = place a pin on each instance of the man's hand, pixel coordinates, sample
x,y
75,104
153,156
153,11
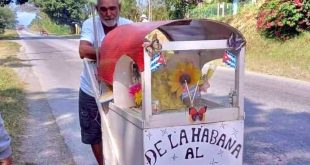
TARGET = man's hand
x,y
87,50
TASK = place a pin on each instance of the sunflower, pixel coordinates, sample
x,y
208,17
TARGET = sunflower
x,y
160,92
183,73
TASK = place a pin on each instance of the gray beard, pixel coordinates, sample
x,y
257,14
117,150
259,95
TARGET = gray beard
x,y
110,22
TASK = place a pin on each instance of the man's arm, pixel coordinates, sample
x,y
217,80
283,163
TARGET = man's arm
x,y
87,50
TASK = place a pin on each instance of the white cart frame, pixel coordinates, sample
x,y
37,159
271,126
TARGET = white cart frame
x,y
126,132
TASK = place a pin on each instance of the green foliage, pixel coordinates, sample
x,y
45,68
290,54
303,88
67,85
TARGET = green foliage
x,y
7,19
160,13
179,8
64,12
290,58
130,10
159,10
209,10
284,19
6,2
42,21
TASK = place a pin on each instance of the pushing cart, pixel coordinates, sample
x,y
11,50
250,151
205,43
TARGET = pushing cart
x,y
174,101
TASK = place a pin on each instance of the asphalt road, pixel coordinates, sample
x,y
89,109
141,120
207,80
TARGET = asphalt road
x,y
54,63
277,109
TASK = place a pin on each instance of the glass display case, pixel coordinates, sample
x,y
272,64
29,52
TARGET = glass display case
x,y
172,78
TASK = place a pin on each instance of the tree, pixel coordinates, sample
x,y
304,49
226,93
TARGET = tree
x,y
130,10
179,8
7,19
159,10
6,2
64,12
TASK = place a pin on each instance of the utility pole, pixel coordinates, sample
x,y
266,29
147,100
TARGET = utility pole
x,y
150,10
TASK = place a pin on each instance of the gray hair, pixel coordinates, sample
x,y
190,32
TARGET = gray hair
x,y
98,1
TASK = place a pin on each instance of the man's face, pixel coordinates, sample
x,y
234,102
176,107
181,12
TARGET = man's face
x,y
108,11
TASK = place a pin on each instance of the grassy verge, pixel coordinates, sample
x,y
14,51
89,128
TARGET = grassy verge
x,y
44,22
12,105
289,59
9,34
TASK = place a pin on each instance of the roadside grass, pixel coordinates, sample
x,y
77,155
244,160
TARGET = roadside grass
x,y
9,34
12,102
44,22
289,59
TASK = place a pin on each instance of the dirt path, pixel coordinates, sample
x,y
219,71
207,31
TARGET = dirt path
x,y
42,142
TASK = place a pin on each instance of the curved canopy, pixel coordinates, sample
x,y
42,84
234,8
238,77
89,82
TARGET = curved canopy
x,y
128,40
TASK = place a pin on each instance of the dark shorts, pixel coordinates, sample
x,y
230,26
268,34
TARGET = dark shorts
x,y
90,120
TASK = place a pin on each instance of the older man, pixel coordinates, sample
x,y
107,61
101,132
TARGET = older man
x,y
107,20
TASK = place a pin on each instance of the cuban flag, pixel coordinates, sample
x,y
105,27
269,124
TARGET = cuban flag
x,y
191,92
157,61
230,59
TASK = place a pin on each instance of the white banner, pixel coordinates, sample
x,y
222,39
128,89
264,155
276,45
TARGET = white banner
x,y
214,144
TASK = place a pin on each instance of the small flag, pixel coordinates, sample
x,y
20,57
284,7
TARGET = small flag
x,y
157,61
230,59
191,92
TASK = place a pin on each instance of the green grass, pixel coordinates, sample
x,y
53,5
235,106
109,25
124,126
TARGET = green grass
x,y
12,106
9,34
47,24
290,58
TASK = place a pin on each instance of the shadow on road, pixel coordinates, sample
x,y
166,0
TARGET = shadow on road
x,y
276,136
41,128
14,62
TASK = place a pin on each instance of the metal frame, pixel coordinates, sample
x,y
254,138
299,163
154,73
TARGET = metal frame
x,y
147,120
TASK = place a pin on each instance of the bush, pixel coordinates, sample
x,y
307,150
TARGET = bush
x,y
7,19
43,22
284,19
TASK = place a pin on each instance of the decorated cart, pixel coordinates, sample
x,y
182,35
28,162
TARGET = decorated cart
x,y
171,93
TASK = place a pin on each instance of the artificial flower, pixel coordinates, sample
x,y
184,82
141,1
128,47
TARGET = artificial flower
x,y
138,98
160,91
184,73
136,93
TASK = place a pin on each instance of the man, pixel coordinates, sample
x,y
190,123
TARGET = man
x,y
143,18
5,145
108,19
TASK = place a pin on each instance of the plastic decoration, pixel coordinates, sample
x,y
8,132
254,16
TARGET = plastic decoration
x,y
204,80
197,115
183,72
157,61
235,42
153,48
161,91
230,59
136,93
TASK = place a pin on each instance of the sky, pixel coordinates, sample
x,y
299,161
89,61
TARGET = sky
x,y
25,18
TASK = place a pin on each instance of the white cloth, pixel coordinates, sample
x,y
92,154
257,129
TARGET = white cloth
x,y
87,34
145,20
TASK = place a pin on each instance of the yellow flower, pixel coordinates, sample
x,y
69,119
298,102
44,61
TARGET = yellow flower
x,y
161,92
184,72
138,98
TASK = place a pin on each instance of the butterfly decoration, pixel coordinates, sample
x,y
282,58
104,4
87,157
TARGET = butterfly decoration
x,y
235,42
153,47
197,115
